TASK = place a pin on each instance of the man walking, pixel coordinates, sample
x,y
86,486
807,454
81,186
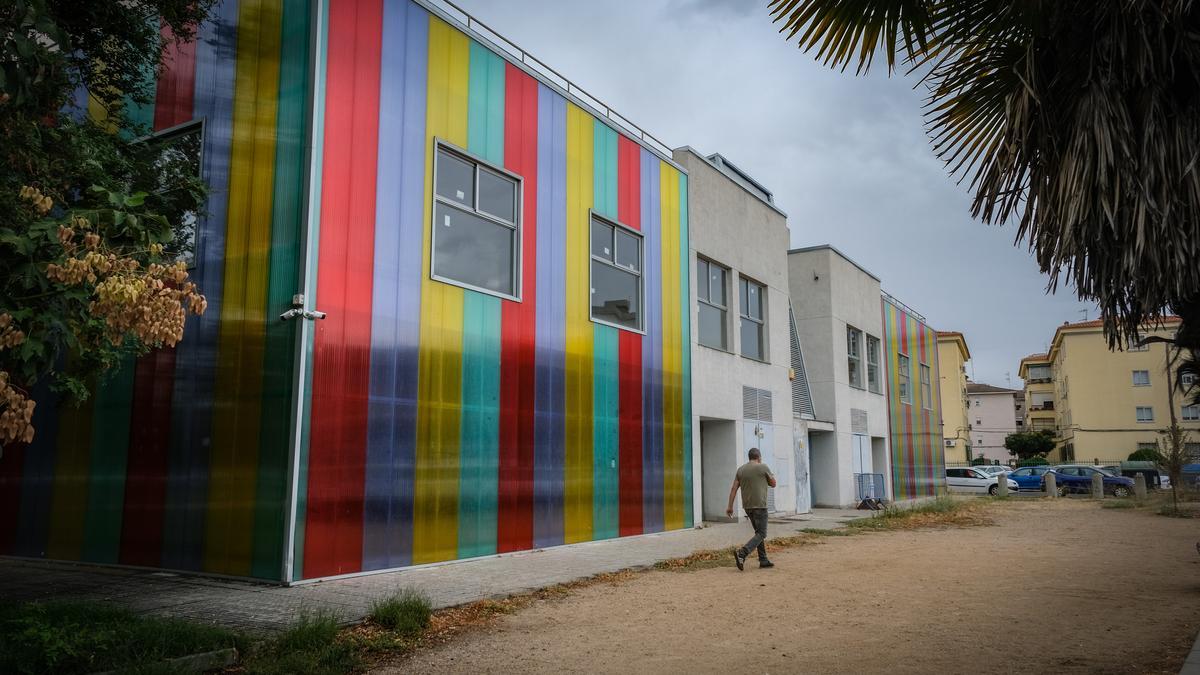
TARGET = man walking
x,y
753,478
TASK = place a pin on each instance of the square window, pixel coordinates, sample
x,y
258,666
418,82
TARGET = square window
x,y
1145,413
476,227
1190,413
1141,378
616,286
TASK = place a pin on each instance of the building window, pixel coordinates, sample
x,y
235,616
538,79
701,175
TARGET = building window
x,y
179,153
1190,413
926,387
1186,381
1039,373
1020,423
754,322
854,349
978,423
1192,451
476,224
1133,346
874,382
903,379
616,275
1141,378
1145,413
711,287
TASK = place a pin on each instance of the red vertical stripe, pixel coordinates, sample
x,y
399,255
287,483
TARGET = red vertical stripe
x,y
341,345
11,465
154,375
629,212
173,99
518,325
146,463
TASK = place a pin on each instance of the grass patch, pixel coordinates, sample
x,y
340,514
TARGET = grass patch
x,y
313,645
406,612
939,512
1119,504
1172,512
87,637
840,532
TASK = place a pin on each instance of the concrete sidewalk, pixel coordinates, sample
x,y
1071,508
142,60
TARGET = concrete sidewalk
x,y
261,607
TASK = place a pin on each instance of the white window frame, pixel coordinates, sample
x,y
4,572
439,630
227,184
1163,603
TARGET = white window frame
x,y
874,384
724,309
926,375
855,336
1138,414
1138,383
640,272
743,314
904,378
481,164
1187,381
1189,413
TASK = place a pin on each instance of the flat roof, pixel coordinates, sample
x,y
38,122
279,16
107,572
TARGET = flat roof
x,y
830,247
725,167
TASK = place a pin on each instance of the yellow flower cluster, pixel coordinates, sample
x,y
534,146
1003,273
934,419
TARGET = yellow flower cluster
x,y
16,410
40,202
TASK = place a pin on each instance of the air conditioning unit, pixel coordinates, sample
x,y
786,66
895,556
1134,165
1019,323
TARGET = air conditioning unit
x,y
949,443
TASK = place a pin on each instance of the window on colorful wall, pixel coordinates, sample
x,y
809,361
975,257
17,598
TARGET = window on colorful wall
x,y
711,285
476,225
926,387
874,382
854,349
616,275
179,152
754,321
903,378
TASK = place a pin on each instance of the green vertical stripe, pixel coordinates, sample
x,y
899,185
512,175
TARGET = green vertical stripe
x,y
270,519
310,290
480,421
106,474
604,176
685,299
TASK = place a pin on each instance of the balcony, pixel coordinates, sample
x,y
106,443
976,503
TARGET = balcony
x,y
1038,380
1048,405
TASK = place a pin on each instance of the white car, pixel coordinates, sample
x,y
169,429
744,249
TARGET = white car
x,y
993,469
976,481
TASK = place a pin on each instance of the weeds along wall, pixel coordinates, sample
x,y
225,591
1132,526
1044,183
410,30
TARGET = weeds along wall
x,y
914,405
448,422
439,422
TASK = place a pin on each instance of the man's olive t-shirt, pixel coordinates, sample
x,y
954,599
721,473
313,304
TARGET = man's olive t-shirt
x,y
752,476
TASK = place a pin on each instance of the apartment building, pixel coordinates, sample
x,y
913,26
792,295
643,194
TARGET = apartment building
x,y
953,356
991,414
1104,404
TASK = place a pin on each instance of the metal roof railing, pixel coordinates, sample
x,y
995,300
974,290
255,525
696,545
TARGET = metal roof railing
x,y
481,30
908,310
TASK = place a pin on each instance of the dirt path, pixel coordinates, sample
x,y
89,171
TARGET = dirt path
x,y
1054,587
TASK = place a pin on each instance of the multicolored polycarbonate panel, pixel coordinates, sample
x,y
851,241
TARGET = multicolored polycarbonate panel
x,y
180,458
918,464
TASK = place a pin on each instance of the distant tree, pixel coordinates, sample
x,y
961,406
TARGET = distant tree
x,y
1026,444
1173,456
1145,455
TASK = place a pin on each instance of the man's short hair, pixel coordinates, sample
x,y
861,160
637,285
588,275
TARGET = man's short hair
x,y
754,453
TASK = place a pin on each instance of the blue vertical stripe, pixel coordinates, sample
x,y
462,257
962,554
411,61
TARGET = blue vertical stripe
x,y
652,346
396,293
550,356
196,357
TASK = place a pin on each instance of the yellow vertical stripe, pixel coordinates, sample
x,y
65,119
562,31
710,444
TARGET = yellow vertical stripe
x,y
672,350
439,380
577,490
237,398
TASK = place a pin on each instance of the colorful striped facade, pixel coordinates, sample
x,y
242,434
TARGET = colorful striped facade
x,y
915,420
435,422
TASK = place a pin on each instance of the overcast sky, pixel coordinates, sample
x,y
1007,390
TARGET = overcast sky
x,y
847,157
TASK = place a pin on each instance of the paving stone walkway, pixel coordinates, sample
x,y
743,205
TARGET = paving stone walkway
x,y
261,607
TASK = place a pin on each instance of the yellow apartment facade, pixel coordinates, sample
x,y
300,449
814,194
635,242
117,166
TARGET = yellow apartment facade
x,y
1102,404
953,355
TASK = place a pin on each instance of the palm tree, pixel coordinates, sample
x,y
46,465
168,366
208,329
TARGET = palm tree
x,y
1078,120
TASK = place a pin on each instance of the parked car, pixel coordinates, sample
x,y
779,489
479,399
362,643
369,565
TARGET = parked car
x,y
1078,478
974,480
993,469
1030,477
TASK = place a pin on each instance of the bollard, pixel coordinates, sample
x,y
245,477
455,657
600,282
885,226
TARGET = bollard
x,y
1002,485
1139,486
1049,484
1097,486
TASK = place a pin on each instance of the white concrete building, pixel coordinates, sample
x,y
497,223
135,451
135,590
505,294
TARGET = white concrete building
x,y
741,351
991,413
839,322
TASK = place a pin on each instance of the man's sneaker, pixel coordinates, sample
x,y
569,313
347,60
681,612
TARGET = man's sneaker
x,y
739,559
765,563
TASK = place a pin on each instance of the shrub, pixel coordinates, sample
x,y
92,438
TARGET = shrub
x,y
406,612
1036,460
310,645
1145,455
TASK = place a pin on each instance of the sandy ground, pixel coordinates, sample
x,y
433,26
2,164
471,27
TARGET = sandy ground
x,y
1061,586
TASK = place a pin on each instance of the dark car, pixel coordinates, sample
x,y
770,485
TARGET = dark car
x,y
1029,477
1078,478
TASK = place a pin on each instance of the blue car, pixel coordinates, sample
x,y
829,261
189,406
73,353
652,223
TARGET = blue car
x,y
1078,478
1029,477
